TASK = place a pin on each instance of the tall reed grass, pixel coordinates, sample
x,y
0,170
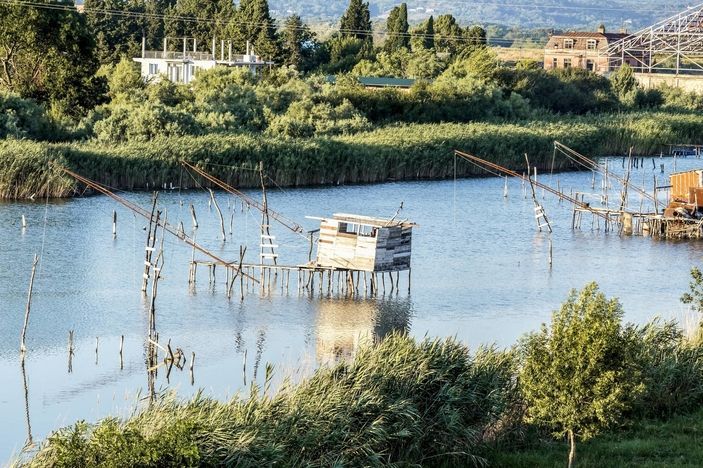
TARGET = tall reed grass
x,y
401,402
394,152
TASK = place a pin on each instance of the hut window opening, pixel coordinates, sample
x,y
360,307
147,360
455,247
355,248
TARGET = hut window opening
x,y
367,231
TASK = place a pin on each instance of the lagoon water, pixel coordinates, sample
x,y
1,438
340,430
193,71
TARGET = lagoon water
x,y
480,273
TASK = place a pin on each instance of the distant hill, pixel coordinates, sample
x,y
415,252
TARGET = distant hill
x,y
567,14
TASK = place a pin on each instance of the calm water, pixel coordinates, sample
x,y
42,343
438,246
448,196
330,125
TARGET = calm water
x,y
480,273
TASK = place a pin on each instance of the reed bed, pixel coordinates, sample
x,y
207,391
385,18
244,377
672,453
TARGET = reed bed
x,y
401,402
394,152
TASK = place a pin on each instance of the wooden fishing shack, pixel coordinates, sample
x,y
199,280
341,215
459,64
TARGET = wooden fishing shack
x,y
363,243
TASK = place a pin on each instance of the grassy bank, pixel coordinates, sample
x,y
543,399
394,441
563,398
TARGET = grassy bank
x,y
677,442
396,152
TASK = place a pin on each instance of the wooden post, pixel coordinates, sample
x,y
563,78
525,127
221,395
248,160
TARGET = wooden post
x,y
550,252
244,368
219,212
192,363
114,224
23,347
121,350
70,351
97,342
193,217
24,222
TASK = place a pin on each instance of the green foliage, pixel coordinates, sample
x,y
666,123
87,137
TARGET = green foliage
x,y
679,99
125,78
212,20
400,402
578,376
397,29
305,118
672,370
22,118
624,82
143,122
422,37
356,21
253,22
300,47
49,56
114,37
345,52
694,297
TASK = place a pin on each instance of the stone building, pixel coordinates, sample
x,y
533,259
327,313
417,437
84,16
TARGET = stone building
x,y
586,50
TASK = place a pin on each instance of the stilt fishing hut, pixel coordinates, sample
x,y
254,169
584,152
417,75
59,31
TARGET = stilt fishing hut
x,y
363,243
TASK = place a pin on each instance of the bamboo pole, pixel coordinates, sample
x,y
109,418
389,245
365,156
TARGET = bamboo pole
x,y
23,347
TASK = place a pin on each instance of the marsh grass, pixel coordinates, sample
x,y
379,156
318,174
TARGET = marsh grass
x,y
394,152
400,402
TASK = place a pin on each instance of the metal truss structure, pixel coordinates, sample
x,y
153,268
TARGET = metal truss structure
x,y
674,45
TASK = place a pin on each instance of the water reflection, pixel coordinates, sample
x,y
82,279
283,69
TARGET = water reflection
x,y
343,325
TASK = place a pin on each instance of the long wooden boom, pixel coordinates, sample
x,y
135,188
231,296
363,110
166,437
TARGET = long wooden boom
x,y
292,225
488,164
588,163
146,214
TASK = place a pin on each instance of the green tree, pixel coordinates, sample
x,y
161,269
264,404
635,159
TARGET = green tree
x,y
125,78
356,21
49,55
299,44
114,36
211,19
397,29
449,36
422,36
624,82
578,376
254,23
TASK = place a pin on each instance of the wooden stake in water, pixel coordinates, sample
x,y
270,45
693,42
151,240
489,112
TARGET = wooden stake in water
x,y
121,351
70,351
219,212
505,188
114,224
23,347
193,217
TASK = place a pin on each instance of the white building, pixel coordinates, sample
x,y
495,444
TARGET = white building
x,y
182,66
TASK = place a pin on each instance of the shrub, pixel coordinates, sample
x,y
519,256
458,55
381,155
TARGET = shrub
x,y
578,376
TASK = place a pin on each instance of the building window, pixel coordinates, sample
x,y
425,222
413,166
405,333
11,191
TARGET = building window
x,y
555,62
567,63
591,44
153,68
590,65
568,43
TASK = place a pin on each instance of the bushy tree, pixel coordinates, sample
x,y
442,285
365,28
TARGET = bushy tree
x,y
49,55
211,20
114,36
300,46
422,37
346,52
253,22
125,78
397,29
449,36
624,82
578,375
356,21
306,118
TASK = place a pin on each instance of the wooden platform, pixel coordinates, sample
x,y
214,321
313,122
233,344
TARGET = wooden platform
x,y
309,278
